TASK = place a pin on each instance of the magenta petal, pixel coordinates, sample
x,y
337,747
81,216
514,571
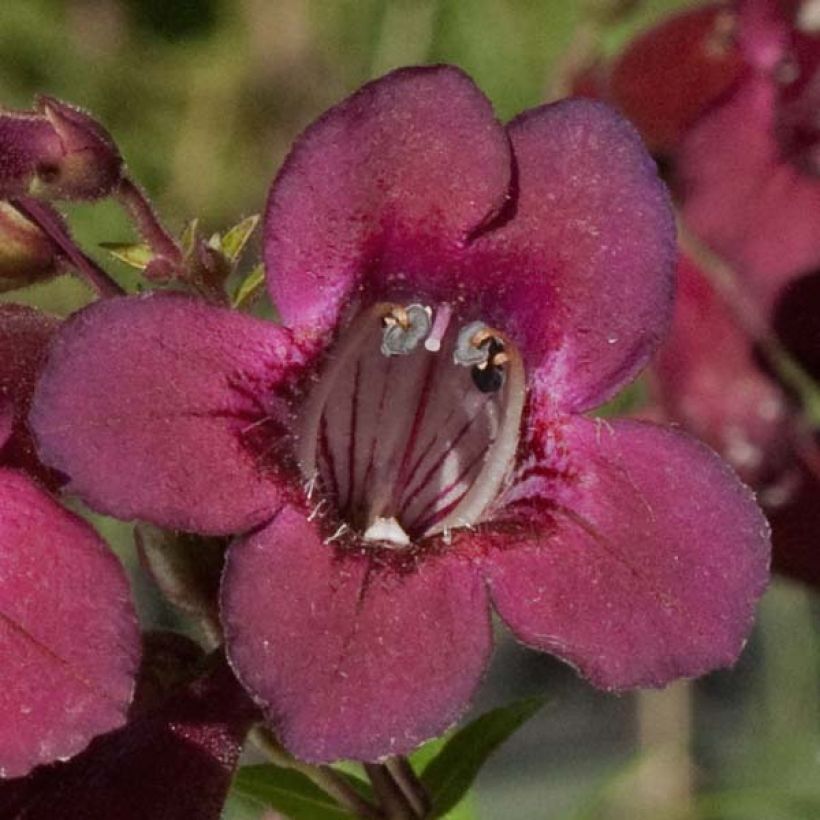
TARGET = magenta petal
x,y
351,659
68,634
652,558
584,269
388,184
172,762
24,337
747,203
162,408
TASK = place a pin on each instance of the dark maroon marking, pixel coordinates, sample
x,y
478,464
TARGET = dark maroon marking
x,y
386,380
412,437
440,460
351,442
426,451
443,493
324,446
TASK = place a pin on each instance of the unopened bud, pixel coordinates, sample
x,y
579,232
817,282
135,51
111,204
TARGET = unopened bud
x,y
27,255
56,152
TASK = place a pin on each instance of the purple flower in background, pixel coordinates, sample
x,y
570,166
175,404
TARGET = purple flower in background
x,y
68,633
173,760
408,450
728,94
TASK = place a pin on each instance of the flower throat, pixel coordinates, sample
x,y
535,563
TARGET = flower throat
x,y
413,426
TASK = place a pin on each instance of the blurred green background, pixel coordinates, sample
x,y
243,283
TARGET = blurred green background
x,y
204,98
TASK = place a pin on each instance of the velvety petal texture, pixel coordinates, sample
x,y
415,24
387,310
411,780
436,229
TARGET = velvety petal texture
x,y
25,334
397,193
650,559
350,656
147,403
69,643
174,761
582,275
384,189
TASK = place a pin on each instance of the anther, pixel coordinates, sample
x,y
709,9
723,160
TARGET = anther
x,y
470,347
404,328
489,376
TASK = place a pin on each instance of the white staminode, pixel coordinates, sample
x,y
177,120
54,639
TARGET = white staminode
x,y
387,529
409,439
440,325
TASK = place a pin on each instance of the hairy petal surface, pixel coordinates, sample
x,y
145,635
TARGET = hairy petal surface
x,y
174,761
582,275
69,643
650,560
24,337
351,655
148,403
385,188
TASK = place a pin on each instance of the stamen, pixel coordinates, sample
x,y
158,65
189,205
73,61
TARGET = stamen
x,y
470,350
404,449
440,324
404,328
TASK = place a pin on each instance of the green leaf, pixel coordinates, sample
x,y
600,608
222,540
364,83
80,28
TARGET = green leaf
x,y
189,236
234,241
137,255
288,792
450,774
251,285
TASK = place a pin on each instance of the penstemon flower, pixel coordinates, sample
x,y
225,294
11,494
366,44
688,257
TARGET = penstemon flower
x,y
408,450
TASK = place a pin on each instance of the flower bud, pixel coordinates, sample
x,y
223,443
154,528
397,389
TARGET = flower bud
x,y
27,255
56,152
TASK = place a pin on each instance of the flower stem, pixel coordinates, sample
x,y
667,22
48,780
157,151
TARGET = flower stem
x,y
407,780
52,226
325,777
136,204
392,798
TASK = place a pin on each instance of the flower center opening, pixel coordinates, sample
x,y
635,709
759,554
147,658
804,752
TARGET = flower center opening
x,y
413,426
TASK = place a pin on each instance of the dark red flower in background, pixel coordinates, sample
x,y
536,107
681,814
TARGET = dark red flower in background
x,y
742,162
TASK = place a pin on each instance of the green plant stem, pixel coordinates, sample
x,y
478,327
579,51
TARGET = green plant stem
x,y
139,209
325,777
392,799
402,772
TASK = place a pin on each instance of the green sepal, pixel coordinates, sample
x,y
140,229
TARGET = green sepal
x,y
138,255
250,286
233,242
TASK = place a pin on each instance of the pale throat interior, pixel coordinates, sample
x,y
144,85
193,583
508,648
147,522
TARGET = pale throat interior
x,y
413,425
